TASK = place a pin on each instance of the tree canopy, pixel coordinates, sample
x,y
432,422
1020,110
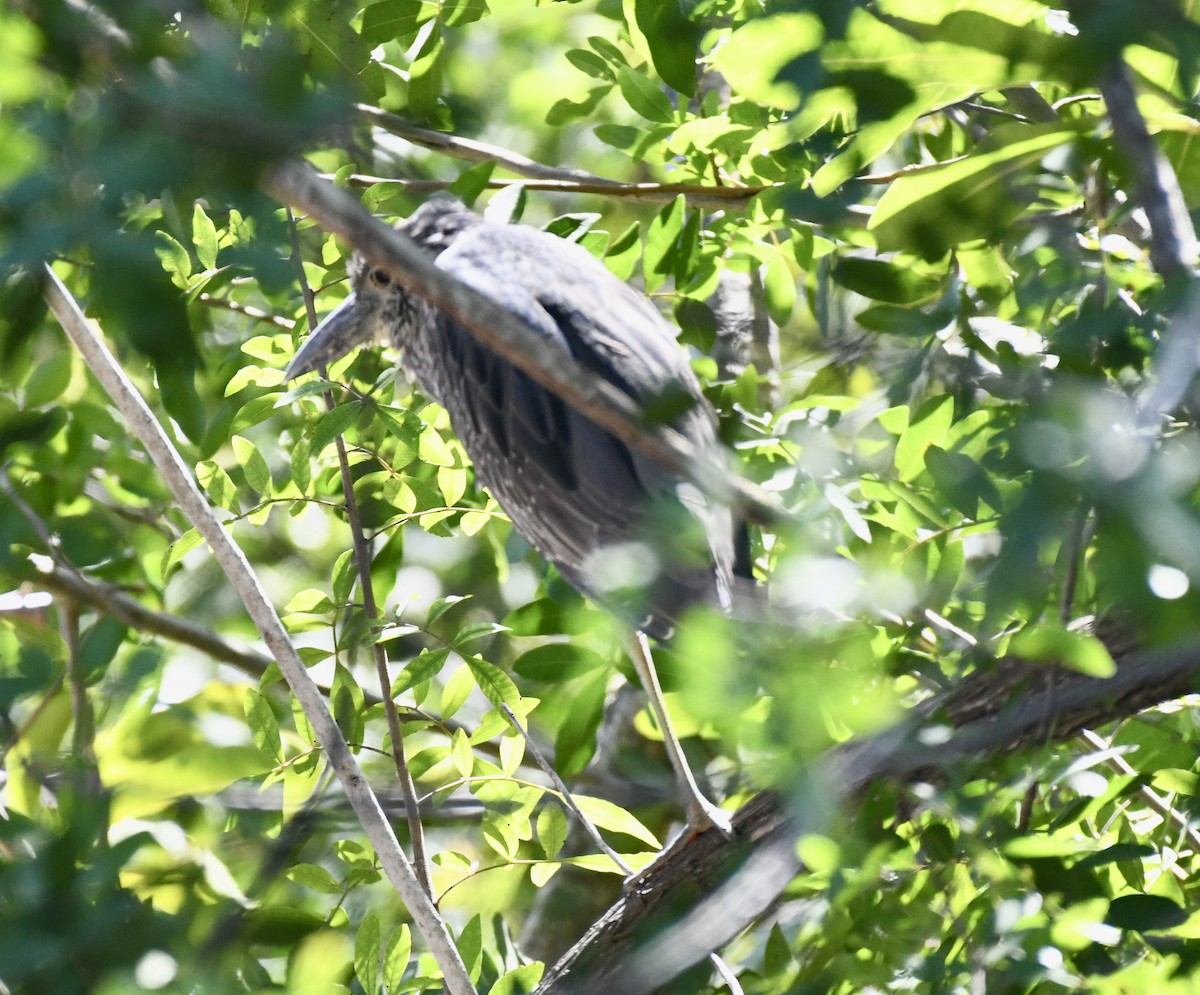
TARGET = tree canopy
x,y
935,267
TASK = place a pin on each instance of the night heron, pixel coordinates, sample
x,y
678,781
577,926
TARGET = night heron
x,y
628,533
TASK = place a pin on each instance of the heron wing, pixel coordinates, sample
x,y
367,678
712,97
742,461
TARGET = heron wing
x,y
570,486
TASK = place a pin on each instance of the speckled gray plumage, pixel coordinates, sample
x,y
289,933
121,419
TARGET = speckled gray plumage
x,y
571,489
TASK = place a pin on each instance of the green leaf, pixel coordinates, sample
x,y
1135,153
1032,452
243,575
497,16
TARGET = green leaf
x,y
474,631
612,817
644,96
179,549
434,450
396,954
309,601
345,574
333,423
473,181
300,464
253,465
929,426
673,41
279,925
461,753
552,829
314,878
495,684
391,19
623,253
929,212
1144,912
575,743
963,481
752,58
779,286
443,605
217,485
425,666
425,76
592,64
367,953
204,235
565,111
458,689
470,946
662,241
520,980
883,280
49,379
1051,642
556,662
264,727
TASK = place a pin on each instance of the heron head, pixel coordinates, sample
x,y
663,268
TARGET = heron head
x,y
376,309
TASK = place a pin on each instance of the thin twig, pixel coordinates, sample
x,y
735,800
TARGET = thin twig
x,y
1080,537
512,338
471,150
233,561
245,309
589,827
114,603
1154,801
362,559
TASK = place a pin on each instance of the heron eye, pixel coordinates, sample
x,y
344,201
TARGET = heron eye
x,y
380,277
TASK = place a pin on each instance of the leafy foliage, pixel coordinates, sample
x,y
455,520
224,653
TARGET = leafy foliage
x,y
949,324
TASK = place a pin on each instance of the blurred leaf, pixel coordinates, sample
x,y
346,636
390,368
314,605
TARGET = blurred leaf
x,y
1053,643
367,952
882,280
1144,912
929,212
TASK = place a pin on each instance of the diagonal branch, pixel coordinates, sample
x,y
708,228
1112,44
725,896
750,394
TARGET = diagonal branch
x,y
1172,237
641,943
233,561
471,150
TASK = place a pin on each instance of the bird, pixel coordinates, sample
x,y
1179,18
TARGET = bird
x,y
629,533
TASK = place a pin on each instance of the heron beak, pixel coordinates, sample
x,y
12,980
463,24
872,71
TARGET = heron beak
x,y
345,327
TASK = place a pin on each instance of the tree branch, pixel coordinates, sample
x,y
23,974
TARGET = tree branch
x,y
537,175
474,151
709,198
640,943
233,561
114,603
1172,237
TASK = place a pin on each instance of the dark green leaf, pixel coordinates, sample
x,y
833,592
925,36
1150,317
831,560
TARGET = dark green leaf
x,y
1144,912
673,41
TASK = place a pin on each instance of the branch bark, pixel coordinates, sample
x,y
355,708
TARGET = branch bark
x,y
641,942
233,561
1172,237
129,611
698,195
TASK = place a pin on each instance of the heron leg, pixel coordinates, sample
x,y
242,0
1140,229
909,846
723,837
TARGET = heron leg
x,y
702,814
